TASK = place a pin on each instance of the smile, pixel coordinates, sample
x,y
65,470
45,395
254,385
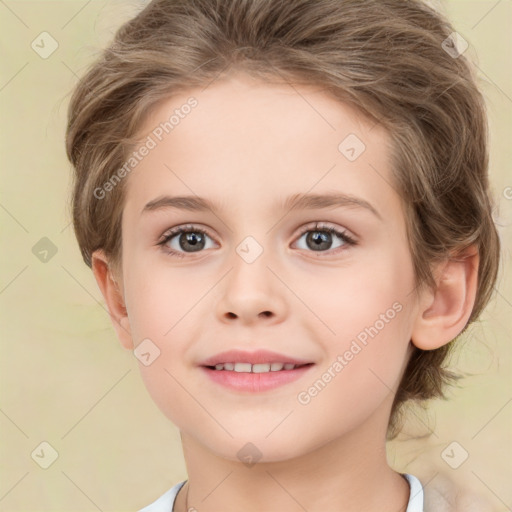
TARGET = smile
x,y
255,368
255,378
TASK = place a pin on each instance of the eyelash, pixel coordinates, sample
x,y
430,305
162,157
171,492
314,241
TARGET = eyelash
x,y
192,229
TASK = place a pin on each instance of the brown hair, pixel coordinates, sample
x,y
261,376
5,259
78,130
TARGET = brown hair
x,y
387,58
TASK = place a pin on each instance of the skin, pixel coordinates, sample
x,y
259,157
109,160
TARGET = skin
x,y
248,146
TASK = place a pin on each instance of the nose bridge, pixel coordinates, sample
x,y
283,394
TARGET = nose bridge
x,y
251,288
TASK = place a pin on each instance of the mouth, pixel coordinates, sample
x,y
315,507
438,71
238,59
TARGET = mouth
x,y
255,378
256,368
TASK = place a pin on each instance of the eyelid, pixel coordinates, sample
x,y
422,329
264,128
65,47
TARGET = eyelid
x,y
182,229
321,225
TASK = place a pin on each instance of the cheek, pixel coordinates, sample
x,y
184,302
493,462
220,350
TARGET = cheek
x,y
350,299
157,298
161,310
369,310
363,367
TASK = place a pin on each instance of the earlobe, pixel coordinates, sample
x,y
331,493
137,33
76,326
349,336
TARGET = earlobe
x,y
113,296
445,311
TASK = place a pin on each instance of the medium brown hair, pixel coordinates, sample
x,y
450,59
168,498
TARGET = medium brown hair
x,y
386,58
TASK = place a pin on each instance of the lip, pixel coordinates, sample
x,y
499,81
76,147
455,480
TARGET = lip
x,y
255,382
259,356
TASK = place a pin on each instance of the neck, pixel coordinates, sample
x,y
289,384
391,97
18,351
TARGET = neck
x,y
346,474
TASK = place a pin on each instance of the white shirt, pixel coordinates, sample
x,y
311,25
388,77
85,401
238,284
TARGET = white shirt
x,y
166,502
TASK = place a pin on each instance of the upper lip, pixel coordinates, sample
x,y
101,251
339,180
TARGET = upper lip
x,y
259,356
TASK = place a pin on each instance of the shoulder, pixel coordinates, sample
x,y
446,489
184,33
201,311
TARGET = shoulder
x,y
442,495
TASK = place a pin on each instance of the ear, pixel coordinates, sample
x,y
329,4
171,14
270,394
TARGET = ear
x,y
445,311
113,296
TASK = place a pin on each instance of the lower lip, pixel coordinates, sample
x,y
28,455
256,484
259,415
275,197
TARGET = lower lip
x,y
255,382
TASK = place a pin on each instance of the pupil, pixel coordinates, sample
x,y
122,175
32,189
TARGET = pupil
x,y
196,241
318,238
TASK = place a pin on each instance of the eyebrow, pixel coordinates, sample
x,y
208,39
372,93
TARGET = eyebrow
x,y
294,202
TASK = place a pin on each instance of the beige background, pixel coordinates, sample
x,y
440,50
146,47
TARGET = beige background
x,y
64,377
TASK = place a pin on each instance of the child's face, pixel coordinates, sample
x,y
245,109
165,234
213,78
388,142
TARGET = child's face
x,y
247,147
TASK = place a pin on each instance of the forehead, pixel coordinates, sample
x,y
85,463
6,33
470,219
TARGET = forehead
x,y
241,104
243,139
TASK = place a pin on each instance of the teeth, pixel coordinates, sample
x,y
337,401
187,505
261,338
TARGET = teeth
x,y
243,367
255,368
261,368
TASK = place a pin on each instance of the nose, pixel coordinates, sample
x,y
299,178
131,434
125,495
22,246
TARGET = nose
x,y
251,293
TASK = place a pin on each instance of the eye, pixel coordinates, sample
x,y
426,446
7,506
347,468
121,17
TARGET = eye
x,y
180,241
320,238
191,239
